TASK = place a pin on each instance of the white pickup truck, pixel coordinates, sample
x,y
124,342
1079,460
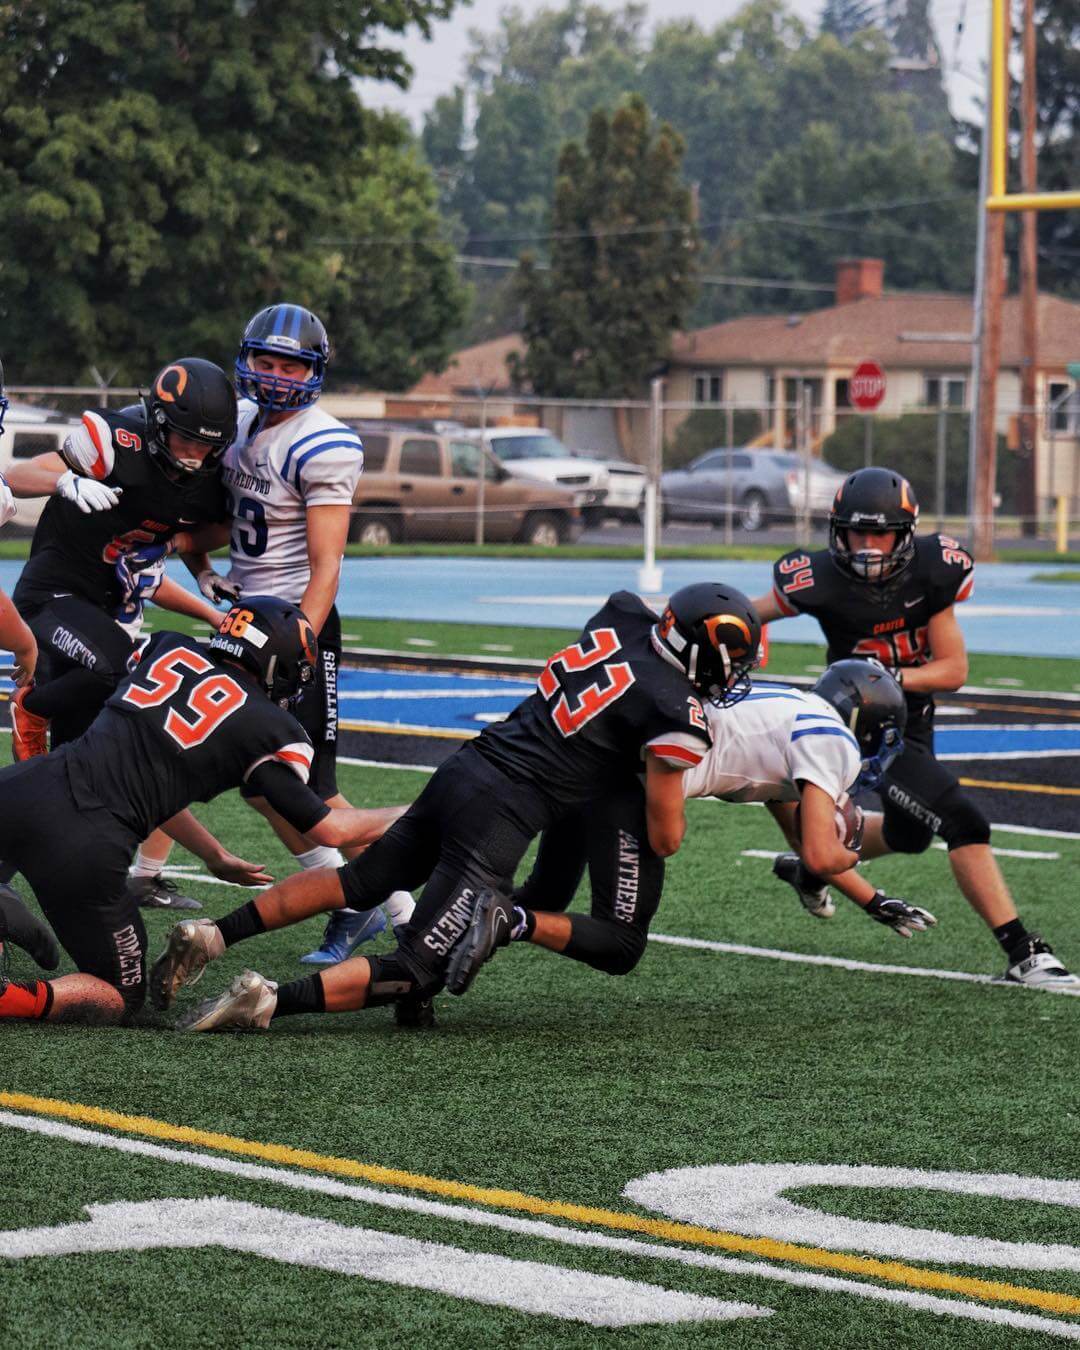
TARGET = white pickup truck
x,y
609,487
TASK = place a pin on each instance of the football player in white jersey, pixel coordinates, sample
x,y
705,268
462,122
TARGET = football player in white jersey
x,y
291,474
801,754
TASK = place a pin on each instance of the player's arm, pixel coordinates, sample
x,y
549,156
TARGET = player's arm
x,y
15,634
36,477
171,595
186,830
947,668
665,806
327,534
306,812
768,608
77,473
819,846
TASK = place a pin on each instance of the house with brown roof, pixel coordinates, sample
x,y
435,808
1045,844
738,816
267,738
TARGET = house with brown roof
x,y
778,363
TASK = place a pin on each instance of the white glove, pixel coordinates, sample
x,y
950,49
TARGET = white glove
x,y
87,493
8,509
217,588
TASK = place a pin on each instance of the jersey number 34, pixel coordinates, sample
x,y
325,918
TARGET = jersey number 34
x,y
569,716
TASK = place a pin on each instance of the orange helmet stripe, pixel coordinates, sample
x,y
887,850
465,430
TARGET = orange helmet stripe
x,y
713,623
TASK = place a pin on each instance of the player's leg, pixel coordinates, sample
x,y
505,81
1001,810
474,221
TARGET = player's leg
x,y
561,859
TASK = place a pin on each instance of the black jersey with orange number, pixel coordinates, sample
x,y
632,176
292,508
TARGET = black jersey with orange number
x,y
597,704
181,728
891,621
75,552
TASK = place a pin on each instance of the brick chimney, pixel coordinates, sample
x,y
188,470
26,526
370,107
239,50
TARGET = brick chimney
x,y
859,279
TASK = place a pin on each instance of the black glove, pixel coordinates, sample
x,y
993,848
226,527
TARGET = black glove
x,y
19,926
898,915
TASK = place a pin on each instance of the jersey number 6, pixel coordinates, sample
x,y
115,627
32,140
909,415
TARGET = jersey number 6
x,y
211,700
593,699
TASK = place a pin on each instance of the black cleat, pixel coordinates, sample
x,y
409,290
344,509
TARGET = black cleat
x,y
415,1012
159,893
490,927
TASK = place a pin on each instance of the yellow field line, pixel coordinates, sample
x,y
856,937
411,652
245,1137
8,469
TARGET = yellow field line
x,y
894,1272
422,733
1048,788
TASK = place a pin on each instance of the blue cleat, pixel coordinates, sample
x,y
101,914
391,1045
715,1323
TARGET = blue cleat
x,y
345,931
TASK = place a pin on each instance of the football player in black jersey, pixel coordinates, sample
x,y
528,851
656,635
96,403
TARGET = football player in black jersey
x,y
187,724
627,693
881,590
122,487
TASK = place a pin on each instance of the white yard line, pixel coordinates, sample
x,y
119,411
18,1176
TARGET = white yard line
x,y
540,1229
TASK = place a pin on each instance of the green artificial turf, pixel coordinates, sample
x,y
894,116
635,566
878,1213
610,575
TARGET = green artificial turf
x,y
560,1082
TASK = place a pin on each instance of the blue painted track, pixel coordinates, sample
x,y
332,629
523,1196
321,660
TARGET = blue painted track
x,y
1008,613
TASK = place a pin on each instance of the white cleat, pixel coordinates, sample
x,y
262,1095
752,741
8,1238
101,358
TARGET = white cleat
x,y
816,900
189,949
247,1005
1034,965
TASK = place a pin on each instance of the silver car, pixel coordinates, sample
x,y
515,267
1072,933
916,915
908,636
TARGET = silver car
x,y
756,487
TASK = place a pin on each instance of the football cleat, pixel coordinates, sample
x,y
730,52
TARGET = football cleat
x,y
490,927
1034,964
159,893
345,931
190,948
815,899
29,732
414,1012
247,1005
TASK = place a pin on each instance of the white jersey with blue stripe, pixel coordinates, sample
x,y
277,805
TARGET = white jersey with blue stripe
x,y
769,741
272,477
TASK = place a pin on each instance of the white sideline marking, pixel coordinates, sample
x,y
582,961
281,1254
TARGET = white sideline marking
x,y
538,1228
407,695
944,848
841,962
298,1240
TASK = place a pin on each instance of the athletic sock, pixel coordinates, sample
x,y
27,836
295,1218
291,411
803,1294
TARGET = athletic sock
x,y
242,923
301,996
1010,935
144,866
524,925
26,998
320,857
398,907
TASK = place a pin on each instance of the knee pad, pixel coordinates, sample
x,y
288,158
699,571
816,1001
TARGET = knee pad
x,y
962,822
906,826
608,946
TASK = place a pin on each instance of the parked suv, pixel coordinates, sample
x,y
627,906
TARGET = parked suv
x,y
754,486
30,431
423,482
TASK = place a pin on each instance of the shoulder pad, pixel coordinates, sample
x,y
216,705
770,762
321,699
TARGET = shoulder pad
x,y
93,448
793,580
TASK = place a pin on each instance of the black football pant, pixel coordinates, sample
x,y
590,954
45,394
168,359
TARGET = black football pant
x,y
626,878
76,861
467,831
921,797
83,656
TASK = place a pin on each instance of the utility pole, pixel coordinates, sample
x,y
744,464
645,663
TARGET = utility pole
x,y
985,428
1029,289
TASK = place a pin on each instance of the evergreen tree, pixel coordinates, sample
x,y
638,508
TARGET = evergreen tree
x,y
622,261
843,19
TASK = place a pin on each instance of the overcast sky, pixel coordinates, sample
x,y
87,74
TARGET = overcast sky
x,y
439,63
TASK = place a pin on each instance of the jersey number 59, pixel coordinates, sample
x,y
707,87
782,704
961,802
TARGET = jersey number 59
x,y
211,700
594,698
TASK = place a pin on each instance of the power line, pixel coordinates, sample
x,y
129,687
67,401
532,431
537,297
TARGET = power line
x,y
706,279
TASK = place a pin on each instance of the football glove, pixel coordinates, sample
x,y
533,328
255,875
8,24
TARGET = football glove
x,y
902,918
25,930
87,493
8,509
217,588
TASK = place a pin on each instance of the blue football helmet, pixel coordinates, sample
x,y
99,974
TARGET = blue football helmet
x,y
283,330
3,399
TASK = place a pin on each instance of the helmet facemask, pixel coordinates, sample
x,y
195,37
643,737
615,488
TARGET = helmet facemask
x,y
871,564
291,333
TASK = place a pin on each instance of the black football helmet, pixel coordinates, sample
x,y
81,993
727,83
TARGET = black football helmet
x,y
874,499
874,710
713,634
194,398
3,399
283,330
273,640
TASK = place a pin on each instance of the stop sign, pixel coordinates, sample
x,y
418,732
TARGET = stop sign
x,y
866,388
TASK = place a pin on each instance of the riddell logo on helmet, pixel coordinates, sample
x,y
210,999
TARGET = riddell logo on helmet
x,y
214,433
287,344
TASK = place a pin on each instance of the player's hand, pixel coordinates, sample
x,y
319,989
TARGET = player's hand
x,y
26,930
25,664
228,867
8,509
217,588
87,493
149,555
902,918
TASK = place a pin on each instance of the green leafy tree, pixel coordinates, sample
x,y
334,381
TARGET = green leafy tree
x,y
622,261
165,169
843,19
1057,41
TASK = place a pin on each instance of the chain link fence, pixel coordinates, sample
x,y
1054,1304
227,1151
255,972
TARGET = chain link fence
x,y
502,467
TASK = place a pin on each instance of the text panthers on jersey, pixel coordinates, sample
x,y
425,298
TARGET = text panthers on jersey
x,y
272,477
